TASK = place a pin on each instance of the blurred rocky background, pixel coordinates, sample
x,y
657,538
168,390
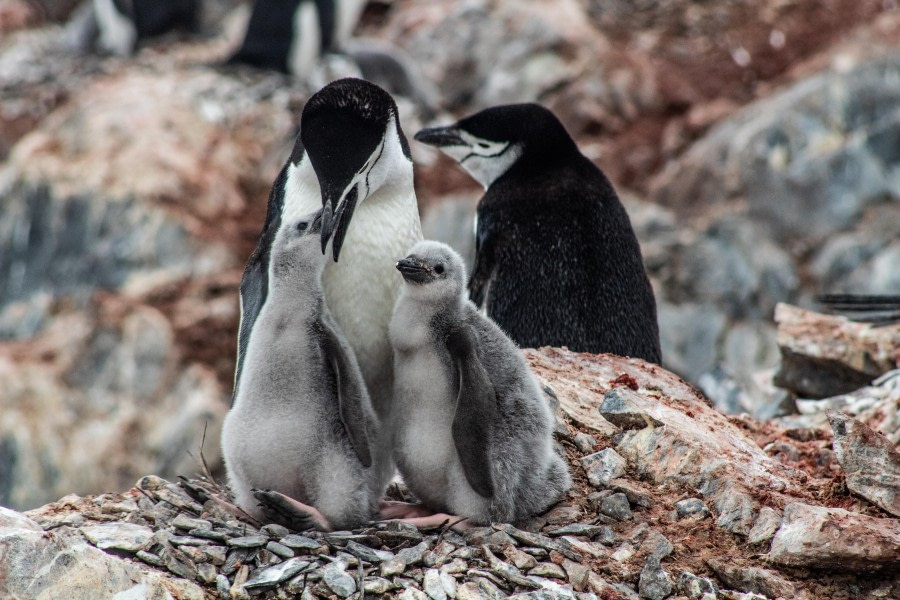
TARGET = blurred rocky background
x,y
756,146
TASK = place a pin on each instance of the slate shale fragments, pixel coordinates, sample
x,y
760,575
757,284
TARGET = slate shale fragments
x,y
693,509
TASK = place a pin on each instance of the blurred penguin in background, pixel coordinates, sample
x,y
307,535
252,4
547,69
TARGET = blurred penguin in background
x,y
117,26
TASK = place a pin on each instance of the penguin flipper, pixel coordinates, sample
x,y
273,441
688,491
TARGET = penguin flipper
x,y
483,269
351,393
475,411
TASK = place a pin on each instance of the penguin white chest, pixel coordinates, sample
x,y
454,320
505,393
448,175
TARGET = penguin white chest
x,y
363,286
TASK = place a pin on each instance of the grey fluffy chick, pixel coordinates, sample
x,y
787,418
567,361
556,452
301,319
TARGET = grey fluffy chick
x,y
471,429
302,437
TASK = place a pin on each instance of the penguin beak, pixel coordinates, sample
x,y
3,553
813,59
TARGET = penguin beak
x,y
336,216
414,270
440,137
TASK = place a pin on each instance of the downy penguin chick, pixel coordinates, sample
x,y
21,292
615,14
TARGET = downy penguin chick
x,y
302,424
471,428
557,262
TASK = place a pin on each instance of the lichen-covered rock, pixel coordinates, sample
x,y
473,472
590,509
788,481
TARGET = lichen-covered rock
x,y
870,462
834,538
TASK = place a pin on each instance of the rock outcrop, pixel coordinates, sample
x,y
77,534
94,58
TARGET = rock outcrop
x,y
693,504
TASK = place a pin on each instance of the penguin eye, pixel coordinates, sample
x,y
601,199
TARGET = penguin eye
x,y
483,144
301,226
439,269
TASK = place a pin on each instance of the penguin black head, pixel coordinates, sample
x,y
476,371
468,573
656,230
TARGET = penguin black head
x,y
350,132
488,143
435,269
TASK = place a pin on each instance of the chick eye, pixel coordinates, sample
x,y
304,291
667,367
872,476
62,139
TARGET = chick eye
x,y
439,269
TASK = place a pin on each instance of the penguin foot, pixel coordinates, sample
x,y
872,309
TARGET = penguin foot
x,y
436,520
293,514
391,509
235,510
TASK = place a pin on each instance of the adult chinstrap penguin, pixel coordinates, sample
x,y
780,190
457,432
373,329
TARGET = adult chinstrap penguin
x,y
352,159
472,431
302,436
291,35
117,26
557,262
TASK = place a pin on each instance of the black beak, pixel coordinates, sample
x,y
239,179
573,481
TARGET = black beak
x,y
336,220
414,270
440,136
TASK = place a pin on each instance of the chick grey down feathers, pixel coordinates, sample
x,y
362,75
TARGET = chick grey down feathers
x,y
302,423
470,426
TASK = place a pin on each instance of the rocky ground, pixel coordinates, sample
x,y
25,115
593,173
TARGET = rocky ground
x,y
755,145
671,499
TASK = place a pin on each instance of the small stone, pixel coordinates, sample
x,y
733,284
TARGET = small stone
x,y
439,555
457,565
562,514
604,466
587,548
584,442
222,586
215,554
449,584
577,574
412,593
546,569
870,462
620,408
392,567
279,573
237,588
367,554
466,552
538,553
182,521
764,527
236,557
471,591
248,541
150,558
206,573
210,534
691,507
376,585
635,492
194,553
654,543
396,533
337,579
279,549
616,506
187,540
178,563
274,530
414,555
301,542
624,552
577,529
607,536
654,583
118,536
505,570
541,541
695,587
521,560
433,586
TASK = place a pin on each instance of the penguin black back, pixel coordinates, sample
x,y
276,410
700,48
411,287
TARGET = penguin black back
x,y
557,262
271,32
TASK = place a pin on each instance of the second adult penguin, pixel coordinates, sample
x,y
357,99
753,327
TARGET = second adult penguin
x,y
472,431
557,262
